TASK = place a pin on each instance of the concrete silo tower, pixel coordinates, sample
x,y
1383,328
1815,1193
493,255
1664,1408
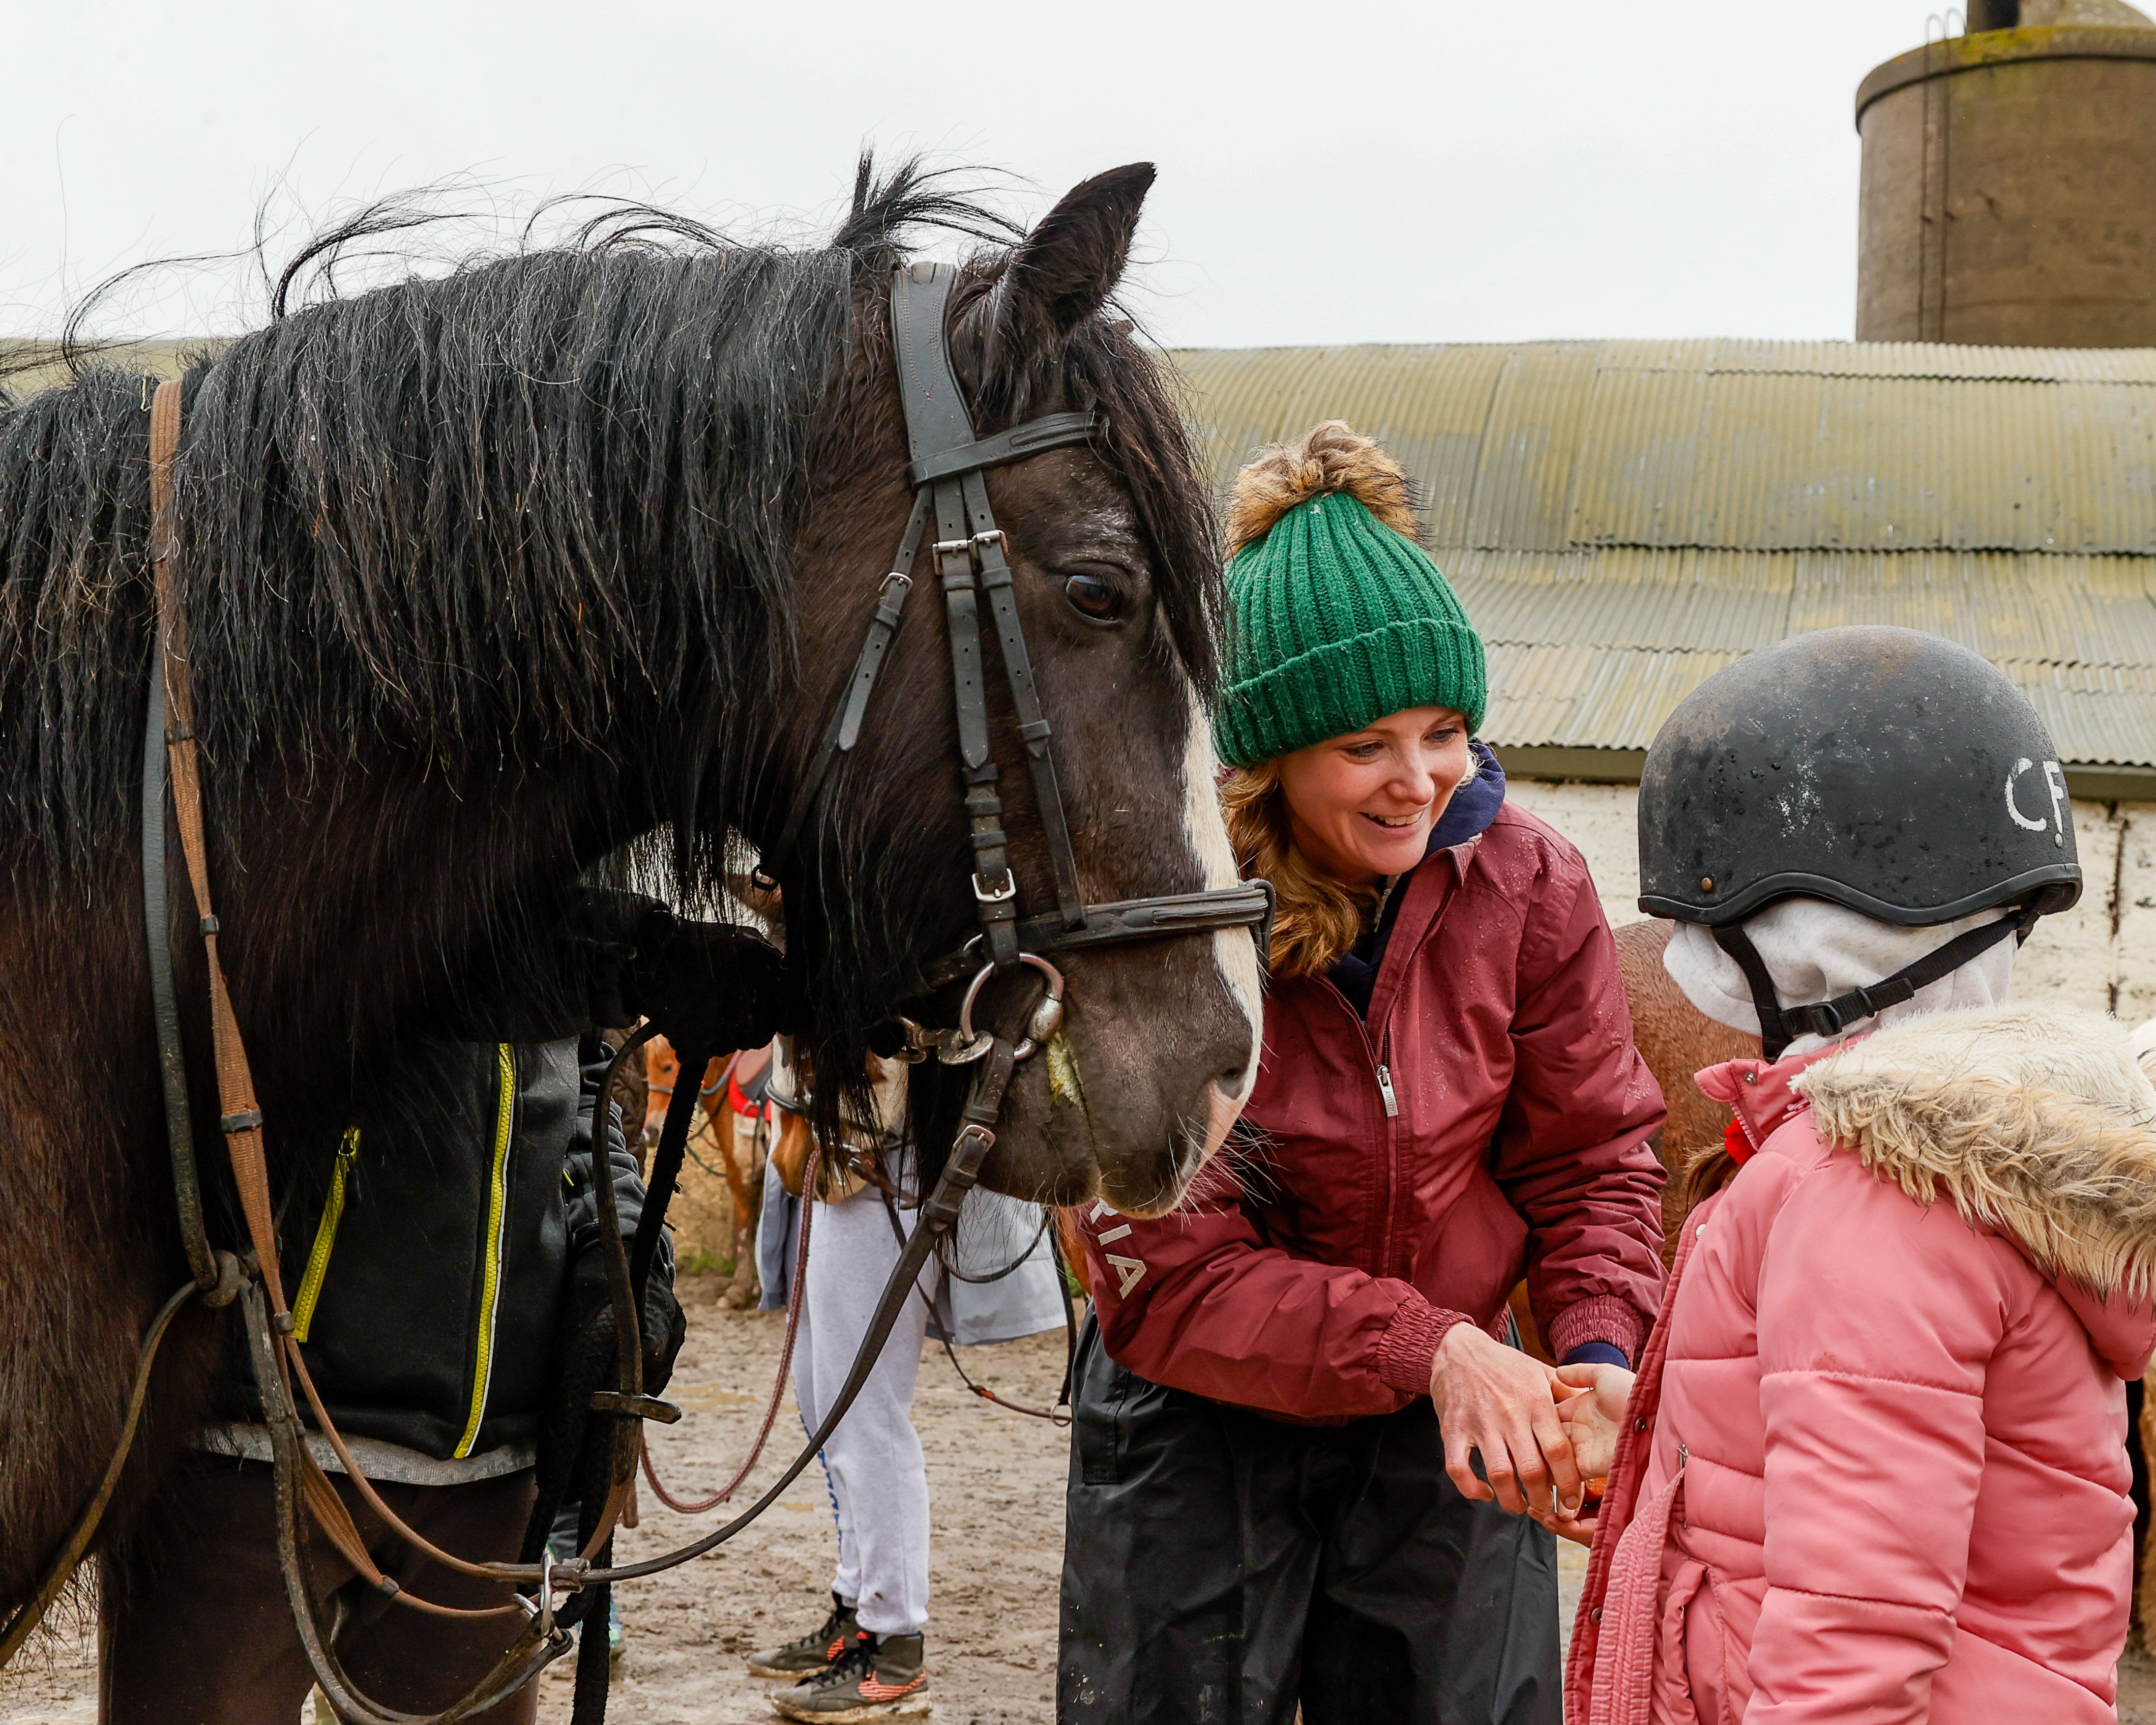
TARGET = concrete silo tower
x,y
2008,190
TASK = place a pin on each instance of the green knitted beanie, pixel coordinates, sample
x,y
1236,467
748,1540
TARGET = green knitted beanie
x,y
1336,617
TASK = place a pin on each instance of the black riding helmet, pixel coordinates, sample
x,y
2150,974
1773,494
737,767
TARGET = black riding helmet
x,y
1884,769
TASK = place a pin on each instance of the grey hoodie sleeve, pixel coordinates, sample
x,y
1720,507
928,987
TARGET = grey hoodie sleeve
x,y
587,1246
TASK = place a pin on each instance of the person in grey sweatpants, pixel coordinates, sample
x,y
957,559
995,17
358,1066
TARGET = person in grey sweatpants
x,y
878,1479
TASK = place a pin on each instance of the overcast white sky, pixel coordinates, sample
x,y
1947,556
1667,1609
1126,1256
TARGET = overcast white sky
x,y
1378,172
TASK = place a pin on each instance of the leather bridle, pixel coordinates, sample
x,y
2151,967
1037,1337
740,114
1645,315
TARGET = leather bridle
x,y
947,465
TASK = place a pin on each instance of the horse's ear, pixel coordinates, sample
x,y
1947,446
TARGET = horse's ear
x,y
1070,263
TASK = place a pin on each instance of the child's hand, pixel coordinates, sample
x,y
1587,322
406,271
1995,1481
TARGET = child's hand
x,y
1590,1401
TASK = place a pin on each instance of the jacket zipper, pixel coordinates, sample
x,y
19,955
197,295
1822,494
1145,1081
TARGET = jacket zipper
x,y
1380,1058
1391,1153
497,1206
326,1230
1372,1052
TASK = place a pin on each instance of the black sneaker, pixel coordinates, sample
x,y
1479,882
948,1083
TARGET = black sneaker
x,y
876,1678
807,1655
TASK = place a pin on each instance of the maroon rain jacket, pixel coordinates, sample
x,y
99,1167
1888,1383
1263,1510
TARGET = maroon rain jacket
x,y
1392,1179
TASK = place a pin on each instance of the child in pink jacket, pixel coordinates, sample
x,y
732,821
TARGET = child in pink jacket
x,y
1872,1467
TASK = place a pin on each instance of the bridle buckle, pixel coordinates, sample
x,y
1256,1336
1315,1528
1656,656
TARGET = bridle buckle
x,y
1002,894
971,545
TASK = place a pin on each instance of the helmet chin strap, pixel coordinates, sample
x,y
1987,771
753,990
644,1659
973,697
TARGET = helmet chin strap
x,y
1780,1026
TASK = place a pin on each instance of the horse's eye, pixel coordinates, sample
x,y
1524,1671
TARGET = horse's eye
x,y
1094,597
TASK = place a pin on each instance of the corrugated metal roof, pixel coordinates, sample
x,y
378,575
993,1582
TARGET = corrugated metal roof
x,y
2089,611
1594,649
1798,445
1887,359
1573,695
1623,518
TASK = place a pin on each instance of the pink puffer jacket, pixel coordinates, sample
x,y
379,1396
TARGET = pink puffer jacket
x,y
1874,1469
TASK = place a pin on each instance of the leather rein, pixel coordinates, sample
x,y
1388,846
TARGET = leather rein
x,y
947,465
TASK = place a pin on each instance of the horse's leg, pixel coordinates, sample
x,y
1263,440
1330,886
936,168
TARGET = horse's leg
x,y
742,1288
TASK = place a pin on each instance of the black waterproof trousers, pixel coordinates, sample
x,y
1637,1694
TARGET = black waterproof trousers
x,y
1224,1568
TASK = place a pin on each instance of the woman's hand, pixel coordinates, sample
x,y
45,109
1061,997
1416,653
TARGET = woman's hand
x,y
1590,1401
1495,1399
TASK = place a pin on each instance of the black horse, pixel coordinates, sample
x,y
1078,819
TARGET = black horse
x,y
488,576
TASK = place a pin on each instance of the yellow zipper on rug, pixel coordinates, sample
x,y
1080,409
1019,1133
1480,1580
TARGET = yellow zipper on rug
x,y
318,1255
497,1207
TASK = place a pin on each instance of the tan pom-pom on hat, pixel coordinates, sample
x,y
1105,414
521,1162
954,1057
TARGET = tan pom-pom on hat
x,y
1331,456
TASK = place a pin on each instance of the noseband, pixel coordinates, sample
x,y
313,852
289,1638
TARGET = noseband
x,y
947,465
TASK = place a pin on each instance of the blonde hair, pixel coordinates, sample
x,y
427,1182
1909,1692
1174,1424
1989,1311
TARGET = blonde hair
x,y
1315,918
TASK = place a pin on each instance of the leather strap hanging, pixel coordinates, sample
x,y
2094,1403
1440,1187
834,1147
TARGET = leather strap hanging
x,y
240,1118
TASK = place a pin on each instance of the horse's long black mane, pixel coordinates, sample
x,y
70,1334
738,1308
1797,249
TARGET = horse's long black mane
x,y
463,519
429,516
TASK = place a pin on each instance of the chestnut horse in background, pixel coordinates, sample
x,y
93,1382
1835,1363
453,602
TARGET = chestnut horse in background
x,y
736,1141
1676,1039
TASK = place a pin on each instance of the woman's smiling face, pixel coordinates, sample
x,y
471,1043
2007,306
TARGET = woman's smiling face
x,y
1362,806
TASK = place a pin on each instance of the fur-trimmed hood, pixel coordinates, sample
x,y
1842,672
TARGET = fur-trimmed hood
x,y
2037,1121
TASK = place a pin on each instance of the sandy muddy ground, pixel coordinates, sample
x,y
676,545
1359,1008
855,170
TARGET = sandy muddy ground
x,y
998,1484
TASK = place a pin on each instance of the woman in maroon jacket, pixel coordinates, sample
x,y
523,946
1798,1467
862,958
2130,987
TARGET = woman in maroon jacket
x,y
1302,1442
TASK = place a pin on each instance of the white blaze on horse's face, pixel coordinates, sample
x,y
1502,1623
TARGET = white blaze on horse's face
x,y
1205,830
1161,1047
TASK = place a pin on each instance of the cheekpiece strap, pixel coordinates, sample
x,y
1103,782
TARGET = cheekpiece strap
x,y
971,559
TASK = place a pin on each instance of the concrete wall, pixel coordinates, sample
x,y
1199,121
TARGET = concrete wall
x,y
2101,954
